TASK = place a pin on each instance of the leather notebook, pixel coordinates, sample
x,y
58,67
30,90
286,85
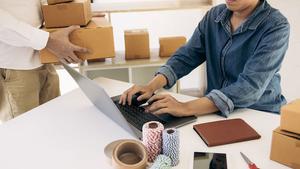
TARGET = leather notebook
x,y
225,132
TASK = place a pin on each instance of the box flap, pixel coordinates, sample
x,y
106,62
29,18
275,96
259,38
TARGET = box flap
x,y
289,134
98,22
136,31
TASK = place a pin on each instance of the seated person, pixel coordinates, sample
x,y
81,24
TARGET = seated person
x,y
243,44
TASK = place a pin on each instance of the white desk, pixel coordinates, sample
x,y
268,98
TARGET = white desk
x,y
70,133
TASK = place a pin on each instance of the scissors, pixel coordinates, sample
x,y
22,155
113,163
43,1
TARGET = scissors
x,y
250,164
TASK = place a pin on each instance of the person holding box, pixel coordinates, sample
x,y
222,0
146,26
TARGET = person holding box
x,y
24,82
243,44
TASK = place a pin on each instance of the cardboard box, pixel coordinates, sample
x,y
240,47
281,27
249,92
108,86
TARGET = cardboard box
x,y
77,12
290,117
97,36
52,2
169,45
137,44
286,148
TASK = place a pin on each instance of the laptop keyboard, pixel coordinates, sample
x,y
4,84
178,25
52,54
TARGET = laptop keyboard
x,y
136,116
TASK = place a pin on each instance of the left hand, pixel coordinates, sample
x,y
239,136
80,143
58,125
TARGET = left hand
x,y
166,104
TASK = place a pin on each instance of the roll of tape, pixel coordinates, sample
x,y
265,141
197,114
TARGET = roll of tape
x,y
162,162
152,139
171,145
129,154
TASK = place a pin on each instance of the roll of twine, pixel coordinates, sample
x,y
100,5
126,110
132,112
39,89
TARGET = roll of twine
x,y
129,154
162,162
170,146
152,139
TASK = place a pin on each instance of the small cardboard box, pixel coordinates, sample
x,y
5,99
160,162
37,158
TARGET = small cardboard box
x,y
77,12
169,45
286,148
97,36
290,117
137,44
52,2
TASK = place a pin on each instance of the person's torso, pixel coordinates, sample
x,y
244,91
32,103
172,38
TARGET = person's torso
x,y
227,53
27,11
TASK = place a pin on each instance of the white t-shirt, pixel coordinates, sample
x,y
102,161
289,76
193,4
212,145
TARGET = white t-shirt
x,y
20,36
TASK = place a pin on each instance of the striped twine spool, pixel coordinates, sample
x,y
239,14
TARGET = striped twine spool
x,y
171,145
152,139
161,162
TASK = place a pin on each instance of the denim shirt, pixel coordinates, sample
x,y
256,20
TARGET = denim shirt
x,y
243,66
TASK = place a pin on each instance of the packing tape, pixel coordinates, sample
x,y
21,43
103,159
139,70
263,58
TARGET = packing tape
x,y
127,154
152,139
171,145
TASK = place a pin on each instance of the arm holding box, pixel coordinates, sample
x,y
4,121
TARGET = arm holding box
x,y
19,34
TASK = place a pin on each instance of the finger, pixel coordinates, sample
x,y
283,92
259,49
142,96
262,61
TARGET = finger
x,y
75,58
161,111
79,49
123,97
72,28
156,97
69,60
133,91
64,61
129,97
156,106
144,96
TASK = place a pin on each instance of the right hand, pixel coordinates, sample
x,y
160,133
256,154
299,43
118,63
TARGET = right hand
x,y
146,93
60,45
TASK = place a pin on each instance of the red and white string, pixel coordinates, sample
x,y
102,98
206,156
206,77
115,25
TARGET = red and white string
x,y
152,139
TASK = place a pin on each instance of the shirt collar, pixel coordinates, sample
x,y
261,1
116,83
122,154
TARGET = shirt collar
x,y
253,21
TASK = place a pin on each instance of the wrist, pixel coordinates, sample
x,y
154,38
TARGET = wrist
x,y
158,82
188,109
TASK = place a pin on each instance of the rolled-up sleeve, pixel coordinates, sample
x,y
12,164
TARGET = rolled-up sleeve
x,y
224,104
257,74
16,33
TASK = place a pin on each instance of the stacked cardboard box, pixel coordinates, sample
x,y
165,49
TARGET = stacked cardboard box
x,y
97,36
77,12
137,44
286,139
169,45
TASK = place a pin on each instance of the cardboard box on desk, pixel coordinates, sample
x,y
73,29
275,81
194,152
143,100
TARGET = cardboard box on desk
x,y
77,12
137,44
169,45
97,36
290,117
286,148
52,2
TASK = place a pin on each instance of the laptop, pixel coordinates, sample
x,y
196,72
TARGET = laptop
x,y
130,118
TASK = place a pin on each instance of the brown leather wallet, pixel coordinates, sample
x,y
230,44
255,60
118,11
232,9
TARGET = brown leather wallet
x,y
225,132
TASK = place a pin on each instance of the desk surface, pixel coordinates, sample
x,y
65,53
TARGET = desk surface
x,y
70,133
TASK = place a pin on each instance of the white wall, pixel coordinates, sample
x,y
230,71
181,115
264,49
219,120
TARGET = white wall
x,y
291,67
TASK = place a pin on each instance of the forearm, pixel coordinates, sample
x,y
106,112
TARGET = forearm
x,y
158,82
200,106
